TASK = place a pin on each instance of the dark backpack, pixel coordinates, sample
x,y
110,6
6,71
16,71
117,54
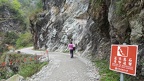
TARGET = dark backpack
x,y
73,48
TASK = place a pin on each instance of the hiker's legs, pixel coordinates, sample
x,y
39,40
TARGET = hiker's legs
x,y
71,53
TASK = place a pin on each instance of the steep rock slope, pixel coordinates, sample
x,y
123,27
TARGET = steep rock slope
x,y
69,20
93,25
9,21
88,24
126,18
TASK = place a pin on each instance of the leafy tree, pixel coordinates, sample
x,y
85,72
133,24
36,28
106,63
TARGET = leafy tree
x,y
16,5
3,2
21,10
39,4
24,40
10,38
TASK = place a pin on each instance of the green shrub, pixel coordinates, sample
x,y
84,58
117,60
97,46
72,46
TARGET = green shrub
x,y
106,74
39,4
16,5
15,9
25,68
28,70
10,38
66,51
24,40
22,9
3,2
120,10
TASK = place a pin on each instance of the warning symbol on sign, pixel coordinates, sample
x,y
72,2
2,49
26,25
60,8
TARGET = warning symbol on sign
x,y
124,59
122,51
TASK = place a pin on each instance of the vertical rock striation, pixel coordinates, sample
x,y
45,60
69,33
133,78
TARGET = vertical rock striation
x,y
87,23
126,18
93,25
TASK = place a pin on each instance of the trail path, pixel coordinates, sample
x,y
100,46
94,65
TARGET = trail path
x,y
63,68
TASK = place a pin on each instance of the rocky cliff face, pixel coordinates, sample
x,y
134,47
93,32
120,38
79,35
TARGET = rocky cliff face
x,y
93,25
8,20
89,24
126,20
10,25
71,20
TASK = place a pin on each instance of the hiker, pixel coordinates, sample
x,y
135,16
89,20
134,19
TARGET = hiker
x,y
71,48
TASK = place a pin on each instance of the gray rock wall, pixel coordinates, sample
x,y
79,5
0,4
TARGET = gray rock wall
x,y
92,25
8,21
126,20
66,20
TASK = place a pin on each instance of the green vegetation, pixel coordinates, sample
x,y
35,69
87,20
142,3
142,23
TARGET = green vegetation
x,y
15,41
25,68
39,5
96,3
21,10
4,2
10,38
30,7
66,51
24,40
14,7
29,69
123,7
106,74
119,7
33,14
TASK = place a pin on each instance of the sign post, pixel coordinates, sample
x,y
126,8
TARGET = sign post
x,y
47,54
122,75
124,59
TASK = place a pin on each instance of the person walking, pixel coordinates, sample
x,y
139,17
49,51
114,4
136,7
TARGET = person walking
x,y
71,46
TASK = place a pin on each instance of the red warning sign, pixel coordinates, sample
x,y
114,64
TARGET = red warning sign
x,y
124,59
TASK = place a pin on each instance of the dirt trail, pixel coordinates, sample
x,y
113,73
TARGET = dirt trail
x,y
63,68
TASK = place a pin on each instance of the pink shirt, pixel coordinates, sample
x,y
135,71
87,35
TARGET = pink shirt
x,y
70,46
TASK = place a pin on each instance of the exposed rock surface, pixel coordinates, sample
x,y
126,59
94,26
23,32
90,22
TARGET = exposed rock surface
x,y
8,20
16,77
93,25
68,20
